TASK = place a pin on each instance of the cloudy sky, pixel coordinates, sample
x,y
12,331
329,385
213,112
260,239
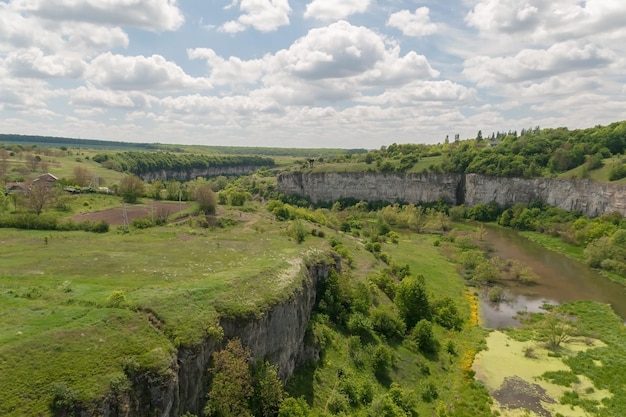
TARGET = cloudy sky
x,y
308,73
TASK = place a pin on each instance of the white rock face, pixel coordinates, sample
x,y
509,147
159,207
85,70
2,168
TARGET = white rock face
x,y
371,186
589,197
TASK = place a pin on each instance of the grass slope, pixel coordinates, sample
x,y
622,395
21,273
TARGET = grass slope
x,y
60,321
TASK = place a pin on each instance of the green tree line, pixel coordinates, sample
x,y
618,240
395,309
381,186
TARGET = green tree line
x,y
145,162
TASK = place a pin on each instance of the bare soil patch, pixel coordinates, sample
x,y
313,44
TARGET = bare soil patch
x,y
115,216
516,393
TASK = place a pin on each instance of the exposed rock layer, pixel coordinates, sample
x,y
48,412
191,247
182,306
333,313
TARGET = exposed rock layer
x,y
589,197
190,174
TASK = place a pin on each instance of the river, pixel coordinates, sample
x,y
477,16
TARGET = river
x,y
561,279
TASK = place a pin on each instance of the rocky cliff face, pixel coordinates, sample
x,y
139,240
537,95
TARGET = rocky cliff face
x,y
199,172
278,336
591,198
370,186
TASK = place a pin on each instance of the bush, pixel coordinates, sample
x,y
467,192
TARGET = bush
x,y
422,334
293,407
142,223
383,358
446,314
297,231
385,283
337,403
359,324
387,323
117,299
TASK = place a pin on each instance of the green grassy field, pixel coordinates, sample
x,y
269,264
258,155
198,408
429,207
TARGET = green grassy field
x,y
75,307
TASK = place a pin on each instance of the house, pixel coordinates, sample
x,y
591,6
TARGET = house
x,y
47,177
12,187
23,187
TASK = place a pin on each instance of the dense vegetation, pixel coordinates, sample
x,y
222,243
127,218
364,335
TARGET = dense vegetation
x,y
533,152
146,162
72,142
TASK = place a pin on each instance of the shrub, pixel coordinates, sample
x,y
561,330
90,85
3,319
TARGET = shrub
x,y
383,358
359,324
446,314
385,283
117,299
422,334
412,300
387,323
297,231
293,407
337,403
142,223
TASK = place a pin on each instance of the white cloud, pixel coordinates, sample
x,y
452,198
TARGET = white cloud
x,y
262,15
423,91
531,64
508,16
120,72
32,63
154,15
231,71
91,97
339,50
542,21
413,24
329,10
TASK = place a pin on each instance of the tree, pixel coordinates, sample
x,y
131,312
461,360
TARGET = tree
x,y
4,202
40,195
268,391
297,231
293,407
206,199
231,388
131,188
556,328
4,162
412,300
32,161
423,335
81,176
155,189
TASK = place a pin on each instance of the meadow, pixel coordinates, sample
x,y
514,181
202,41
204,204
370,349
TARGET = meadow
x,y
93,302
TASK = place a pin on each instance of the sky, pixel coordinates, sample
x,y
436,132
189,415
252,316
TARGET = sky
x,y
309,73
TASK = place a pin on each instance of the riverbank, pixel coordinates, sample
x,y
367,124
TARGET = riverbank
x,y
569,250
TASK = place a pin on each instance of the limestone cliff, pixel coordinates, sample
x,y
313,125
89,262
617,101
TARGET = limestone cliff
x,y
370,186
190,174
589,197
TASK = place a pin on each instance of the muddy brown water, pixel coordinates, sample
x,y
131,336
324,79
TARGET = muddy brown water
x,y
561,279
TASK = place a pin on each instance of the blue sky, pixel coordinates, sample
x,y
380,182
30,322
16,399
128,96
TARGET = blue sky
x,y
311,73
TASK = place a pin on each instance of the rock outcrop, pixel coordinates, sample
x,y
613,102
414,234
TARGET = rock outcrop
x,y
589,197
